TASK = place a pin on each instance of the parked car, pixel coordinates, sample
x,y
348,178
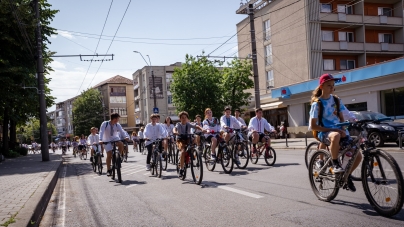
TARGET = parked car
x,y
382,129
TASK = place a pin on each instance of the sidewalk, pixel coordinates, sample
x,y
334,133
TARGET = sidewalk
x,y
25,184
300,144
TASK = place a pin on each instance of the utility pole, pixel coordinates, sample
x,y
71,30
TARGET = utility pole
x,y
254,56
41,88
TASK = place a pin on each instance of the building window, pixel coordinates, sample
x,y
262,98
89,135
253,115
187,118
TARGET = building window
x,y
382,11
268,54
385,38
270,79
392,101
346,36
327,35
267,30
325,8
347,64
117,91
347,9
170,99
328,64
117,99
123,121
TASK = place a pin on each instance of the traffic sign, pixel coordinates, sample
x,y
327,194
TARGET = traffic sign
x,y
155,110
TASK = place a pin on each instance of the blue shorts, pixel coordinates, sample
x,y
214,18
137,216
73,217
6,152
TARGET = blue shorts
x,y
323,136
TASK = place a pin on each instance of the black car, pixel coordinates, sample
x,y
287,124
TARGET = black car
x,y
380,130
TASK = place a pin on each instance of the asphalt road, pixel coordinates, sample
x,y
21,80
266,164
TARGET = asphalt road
x,y
258,196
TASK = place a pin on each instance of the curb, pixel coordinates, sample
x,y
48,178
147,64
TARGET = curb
x,y
32,211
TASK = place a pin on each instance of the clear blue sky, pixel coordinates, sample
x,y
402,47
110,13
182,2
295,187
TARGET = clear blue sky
x,y
162,19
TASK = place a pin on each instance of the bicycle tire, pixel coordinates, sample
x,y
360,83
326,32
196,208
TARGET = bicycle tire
x,y
85,158
81,155
254,157
314,174
196,167
165,163
210,165
370,167
356,174
313,146
226,160
270,161
118,169
125,155
99,163
243,155
94,164
159,167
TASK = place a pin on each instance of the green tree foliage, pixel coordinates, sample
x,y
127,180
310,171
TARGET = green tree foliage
x,y
18,58
235,80
30,131
196,86
200,84
87,111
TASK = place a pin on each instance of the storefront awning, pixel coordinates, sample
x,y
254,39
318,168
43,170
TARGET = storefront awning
x,y
273,105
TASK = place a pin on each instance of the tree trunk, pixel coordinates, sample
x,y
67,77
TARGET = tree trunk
x,y
5,131
13,134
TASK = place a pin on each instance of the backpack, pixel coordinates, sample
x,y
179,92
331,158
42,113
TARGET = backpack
x,y
321,112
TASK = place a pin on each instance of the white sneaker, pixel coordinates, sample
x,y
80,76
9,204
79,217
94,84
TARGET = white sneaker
x,y
147,167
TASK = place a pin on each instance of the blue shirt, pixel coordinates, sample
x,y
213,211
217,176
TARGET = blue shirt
x,y
330,117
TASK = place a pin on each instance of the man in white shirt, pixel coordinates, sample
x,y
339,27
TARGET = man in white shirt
x,y
256,129
109,132
237,116
141,138
153,131
93,141
228,121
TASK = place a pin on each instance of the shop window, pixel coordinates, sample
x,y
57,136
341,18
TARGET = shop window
x,y
392,102
347,64
328,64
307,107
361,106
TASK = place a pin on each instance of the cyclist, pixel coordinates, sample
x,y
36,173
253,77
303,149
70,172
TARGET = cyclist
x,y
108,133
329,134
182,129
153,131
93,141
256,129
228,121
211,124
135,140
141,138
75,144
237,114
122,137
197,139
82,144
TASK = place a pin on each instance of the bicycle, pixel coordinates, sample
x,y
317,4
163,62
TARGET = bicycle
x,y
171,151
192,160
376,171
239,149
156,162
75,151
116,162
314,146
223,155
63,150
96,160
125,151
83,152
264,148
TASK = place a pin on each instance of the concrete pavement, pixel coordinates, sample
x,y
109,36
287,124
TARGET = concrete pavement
x,y
25,187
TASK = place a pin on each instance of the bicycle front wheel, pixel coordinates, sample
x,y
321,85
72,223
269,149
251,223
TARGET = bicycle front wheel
x,y
99,163
322,181
241,155
94,164
196,167
254,156
118,168
210,165
159,166
226,160
270,156
85,155
310,149
356,174
382,182
164,163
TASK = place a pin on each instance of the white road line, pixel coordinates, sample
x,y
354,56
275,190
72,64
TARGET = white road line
x,y
131,186
135,172
62,201
147,173
240,192
134,169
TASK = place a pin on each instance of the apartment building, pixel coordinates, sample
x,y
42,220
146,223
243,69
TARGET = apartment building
x,y
63,117
143,93
117,97
298,41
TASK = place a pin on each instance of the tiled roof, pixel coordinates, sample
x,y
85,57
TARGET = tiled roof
x,y
115,80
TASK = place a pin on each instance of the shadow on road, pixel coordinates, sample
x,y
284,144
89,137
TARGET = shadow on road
x,y
285,164
131,182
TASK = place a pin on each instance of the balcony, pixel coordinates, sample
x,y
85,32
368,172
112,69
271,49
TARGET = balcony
x,y
137,97
136,87
341,17
349,46
383,20
390,47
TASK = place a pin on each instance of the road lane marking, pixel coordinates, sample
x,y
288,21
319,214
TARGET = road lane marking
x,y
131,186
62,201
252,195
131,170
147,173
135,172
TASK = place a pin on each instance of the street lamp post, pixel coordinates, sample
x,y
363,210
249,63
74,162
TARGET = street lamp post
x,y
152,73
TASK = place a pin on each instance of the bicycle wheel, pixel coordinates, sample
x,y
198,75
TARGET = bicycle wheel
x,y
310,149
81,155
94,164
159,166
99,164
85,156
113,167
356,174
196,167
125,155
177,160
270,156
210,165
226,160
382,182
164,163
322,181
254,156
241,153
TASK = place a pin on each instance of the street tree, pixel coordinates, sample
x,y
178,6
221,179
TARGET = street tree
x,y
196,86
30,131
87,111
236,79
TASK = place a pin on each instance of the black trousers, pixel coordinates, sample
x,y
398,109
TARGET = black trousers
x,y
150,150
141,141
